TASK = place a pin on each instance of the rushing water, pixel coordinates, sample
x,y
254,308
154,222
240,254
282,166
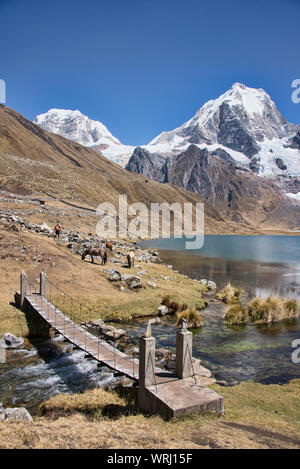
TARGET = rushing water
x,y
261,265
50,368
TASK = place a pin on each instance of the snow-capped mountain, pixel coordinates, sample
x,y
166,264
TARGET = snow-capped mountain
x,y
242,125
77,127
243,122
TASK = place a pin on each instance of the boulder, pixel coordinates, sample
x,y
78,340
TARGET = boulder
x,y
114,275
155,321
201,370
115,261
97,322
171,364
211,285
10,341
165,277
46,228
161,352
152,284
162,310
17,413
203,281
116,334
131,281
106,328
142,272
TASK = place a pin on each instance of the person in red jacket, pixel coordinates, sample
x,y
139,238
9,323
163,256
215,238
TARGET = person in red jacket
x,y
57,230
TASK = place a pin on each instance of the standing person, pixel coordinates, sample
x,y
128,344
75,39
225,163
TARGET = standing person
x,y
57,230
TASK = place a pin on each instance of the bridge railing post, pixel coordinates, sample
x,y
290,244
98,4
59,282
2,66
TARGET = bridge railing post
x,y
146,361
43,283
23,288
184,344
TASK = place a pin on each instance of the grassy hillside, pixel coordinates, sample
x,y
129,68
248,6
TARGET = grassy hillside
x,y
35,162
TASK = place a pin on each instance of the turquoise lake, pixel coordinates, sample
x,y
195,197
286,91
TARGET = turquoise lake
x,y
261,265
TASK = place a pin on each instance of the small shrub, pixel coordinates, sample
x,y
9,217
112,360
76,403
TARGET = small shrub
x,y
229,294
192,318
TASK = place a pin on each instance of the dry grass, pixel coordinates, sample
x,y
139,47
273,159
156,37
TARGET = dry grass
x,y
272,309
229,294
256,416
236,314
173,306
192,318
85,282
94,404
259,310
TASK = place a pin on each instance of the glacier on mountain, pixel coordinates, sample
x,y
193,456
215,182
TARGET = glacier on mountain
x,y
243,122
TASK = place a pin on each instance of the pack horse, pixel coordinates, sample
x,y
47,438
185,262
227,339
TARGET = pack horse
x,y
130,259
95,252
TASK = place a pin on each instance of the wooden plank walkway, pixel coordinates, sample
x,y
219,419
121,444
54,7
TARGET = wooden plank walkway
x,y
168,395
97,348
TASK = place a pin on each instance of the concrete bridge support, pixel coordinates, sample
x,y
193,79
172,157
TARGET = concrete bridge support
x,y
146,371
43,283
37,326
23,288
184,353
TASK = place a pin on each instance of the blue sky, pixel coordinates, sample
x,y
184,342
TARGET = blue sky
x,y
144,66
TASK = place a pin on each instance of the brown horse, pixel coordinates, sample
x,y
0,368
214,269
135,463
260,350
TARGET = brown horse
x,y
95,252
130,259
109,245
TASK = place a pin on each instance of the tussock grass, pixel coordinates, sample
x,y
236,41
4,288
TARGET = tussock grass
x,y
229,294
192,318
236,314
173,306
260,311
273,309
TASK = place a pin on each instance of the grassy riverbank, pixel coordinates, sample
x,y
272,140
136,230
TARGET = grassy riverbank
x,y
256,416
